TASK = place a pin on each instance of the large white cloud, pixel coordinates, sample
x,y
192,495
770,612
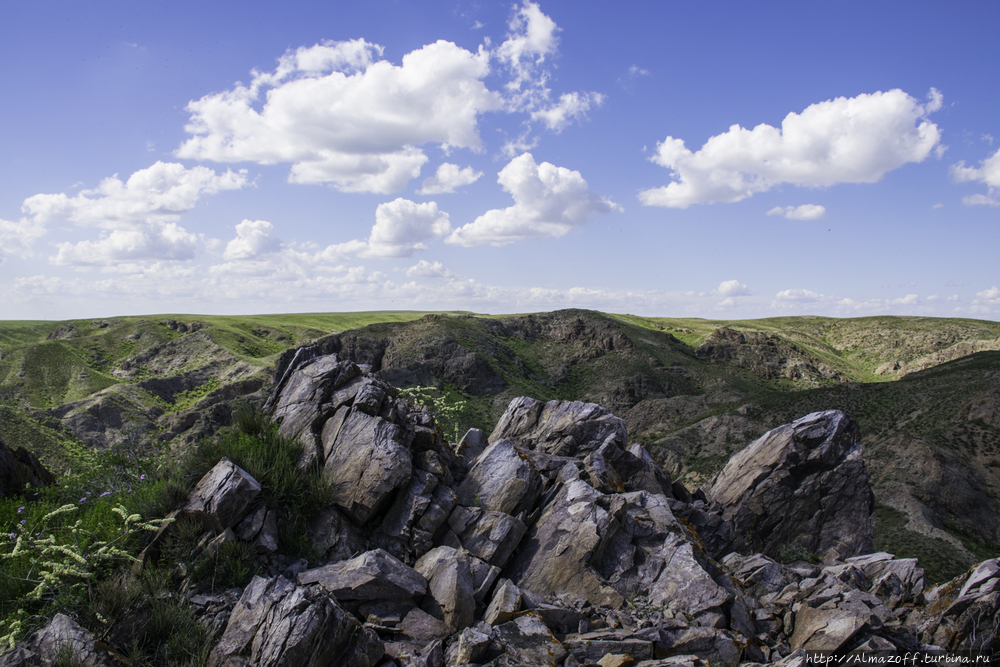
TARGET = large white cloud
x,y
425,269
447,178
340,115
730,288
402,226
138,216
253,239
16,238
162,191
153,239
844,140
548,201
988,173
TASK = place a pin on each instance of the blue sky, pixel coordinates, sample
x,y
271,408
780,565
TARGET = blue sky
x,y
720,160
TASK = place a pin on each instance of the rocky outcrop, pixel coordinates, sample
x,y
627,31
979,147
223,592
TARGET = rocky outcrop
x,y
19,469
803,485
285,624
561,544
61,639
767,356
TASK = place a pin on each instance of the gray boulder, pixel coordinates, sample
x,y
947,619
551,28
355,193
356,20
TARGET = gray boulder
x,y
451,584
501,480
803,484
527,641
290,625
20,468
307,628
224,492
558,554
559,428
374,575
683,585
300,397
505,603
258,597
64,635
490,536
368,461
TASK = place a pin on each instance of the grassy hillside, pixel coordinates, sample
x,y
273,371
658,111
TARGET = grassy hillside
x,y
66,385
926,391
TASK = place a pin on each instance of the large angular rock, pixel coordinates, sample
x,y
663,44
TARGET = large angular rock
x,y
683,584
559,428
527,641
258,597
825,629
20,468
290,625
558,552
505,603
63,634
299,397
451,584
501,480
591,647
368,461
374,575
713,646
224,492
803,484
308,629
964,614
490,536
882,569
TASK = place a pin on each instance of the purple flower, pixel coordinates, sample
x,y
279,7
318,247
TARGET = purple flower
x,y
106,493
20,508
83,499
142,476
22,522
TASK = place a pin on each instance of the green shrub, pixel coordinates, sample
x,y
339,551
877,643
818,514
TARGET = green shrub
x,y
790,553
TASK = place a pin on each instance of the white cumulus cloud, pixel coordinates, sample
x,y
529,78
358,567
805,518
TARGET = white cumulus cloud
x,y
447,178
548,201
987,173
253,239
425,269
732,288
138,217
160,192
16,238
804,212
991,296
401,228
338,114
844,140
153,239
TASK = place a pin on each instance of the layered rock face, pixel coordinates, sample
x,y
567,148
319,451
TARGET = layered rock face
x,y
555,542
801,485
